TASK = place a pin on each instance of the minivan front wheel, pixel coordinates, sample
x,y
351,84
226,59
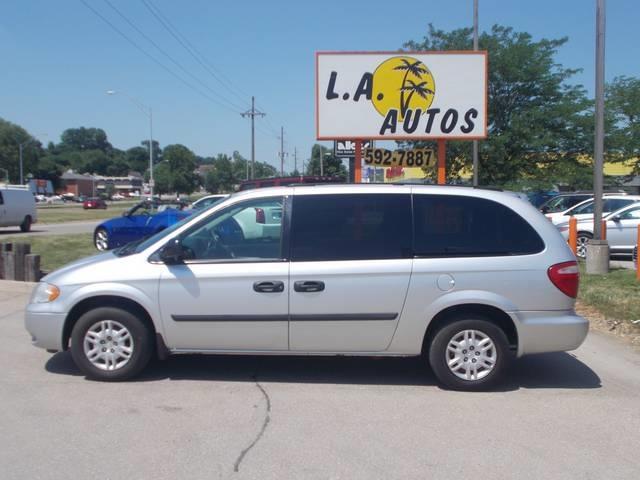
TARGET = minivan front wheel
x,y
469,354
110,344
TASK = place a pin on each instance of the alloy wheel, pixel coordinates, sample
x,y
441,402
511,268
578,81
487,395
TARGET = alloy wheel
x,y
108,345
471,355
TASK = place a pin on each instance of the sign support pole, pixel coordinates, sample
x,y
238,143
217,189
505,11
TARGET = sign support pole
x,y
442,157
357,177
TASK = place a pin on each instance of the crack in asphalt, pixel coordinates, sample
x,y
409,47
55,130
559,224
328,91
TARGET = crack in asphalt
x,y
267,419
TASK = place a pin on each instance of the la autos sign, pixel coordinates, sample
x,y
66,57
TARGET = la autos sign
x,y
401,95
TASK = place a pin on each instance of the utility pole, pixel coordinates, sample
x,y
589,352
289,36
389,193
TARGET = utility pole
x,y
321,162
475,48
282,151
295,159
253,113
597,248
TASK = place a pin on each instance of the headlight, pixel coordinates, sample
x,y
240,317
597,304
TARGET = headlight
x,y
45,292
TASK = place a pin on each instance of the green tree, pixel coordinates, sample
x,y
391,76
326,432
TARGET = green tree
x,y
536,119
11,136
332,166
75,139
181,165
221,178
623,115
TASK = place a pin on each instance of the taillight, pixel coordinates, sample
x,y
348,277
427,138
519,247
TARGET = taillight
x,y
566,277
260,215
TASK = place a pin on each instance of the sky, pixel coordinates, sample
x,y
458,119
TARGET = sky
x,y
59,58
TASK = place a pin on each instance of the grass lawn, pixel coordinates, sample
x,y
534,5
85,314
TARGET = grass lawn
x,y
74,214
615,295
58,250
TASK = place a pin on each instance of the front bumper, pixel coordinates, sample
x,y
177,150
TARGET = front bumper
x,y
540,332
45,329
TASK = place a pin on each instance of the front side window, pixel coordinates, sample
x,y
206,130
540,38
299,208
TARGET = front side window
x,y
246,231
351,227
633,214
458,226
585,208
613,204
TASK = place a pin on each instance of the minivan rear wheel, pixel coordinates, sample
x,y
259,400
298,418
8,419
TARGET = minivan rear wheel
x,y
111,344
469,354
25,226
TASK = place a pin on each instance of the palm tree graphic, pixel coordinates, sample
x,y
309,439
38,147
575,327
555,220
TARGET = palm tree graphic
x,y
416,68
412,87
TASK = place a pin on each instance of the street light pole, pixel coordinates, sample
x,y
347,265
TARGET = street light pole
x,y
321,162
21,176
598,248
149,113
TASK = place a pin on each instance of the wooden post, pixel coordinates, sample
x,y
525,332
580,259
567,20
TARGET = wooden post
x,y
573,234
20,250
32,268
4,248
9,265
442,160
357,177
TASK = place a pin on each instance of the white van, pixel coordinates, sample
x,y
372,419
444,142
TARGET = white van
x,y
17,207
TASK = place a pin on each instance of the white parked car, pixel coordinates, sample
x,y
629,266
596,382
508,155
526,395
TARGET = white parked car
x,y
17,208
467,278
622,231
117,196
207,201
584,210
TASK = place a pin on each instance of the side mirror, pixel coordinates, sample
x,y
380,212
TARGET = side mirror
x,y
617,218
173,252
544,209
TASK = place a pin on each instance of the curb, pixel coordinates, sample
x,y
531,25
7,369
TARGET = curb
x,y
18,287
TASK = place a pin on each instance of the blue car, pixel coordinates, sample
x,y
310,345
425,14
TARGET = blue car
x,y
140,221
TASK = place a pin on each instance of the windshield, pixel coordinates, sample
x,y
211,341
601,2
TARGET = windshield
x,y
144,243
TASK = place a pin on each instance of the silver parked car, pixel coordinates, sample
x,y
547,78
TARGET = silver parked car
x,y
622,231
470,278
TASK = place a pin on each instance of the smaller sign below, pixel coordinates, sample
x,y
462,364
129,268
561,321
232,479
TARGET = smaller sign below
x,y
417,157
347,148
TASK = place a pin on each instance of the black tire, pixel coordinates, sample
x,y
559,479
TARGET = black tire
x,y
25,226
98,233
582,239
142,344
438,354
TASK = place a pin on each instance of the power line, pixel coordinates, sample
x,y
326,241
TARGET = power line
x,y
188,46
154,59
168,56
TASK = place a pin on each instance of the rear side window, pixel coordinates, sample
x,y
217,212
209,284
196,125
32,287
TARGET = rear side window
x,y
457,226
614,204
351,227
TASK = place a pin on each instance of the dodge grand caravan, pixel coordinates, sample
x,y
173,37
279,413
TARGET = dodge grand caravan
x,y
468,278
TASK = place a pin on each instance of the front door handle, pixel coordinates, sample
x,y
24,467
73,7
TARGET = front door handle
x,y
269,287
308,286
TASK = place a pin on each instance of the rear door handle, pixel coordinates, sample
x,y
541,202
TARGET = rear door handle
x,y
268,287
308,286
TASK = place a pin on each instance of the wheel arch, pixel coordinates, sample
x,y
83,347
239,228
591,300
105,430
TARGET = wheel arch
x,y
97,301
491,313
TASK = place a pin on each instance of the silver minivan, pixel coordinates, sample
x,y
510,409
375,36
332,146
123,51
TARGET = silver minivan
x,y
469,278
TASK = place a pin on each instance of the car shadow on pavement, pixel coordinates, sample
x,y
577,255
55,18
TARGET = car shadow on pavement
x,y
551,370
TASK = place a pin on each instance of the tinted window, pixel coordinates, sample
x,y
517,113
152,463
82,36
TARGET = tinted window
x,y
1,199
450,226
250,230
351,227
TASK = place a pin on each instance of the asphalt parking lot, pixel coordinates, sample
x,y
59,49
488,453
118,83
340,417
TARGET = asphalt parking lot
x,y
564,415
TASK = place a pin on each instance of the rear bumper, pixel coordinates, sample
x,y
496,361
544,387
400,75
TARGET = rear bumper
x,y
540,332
45,329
